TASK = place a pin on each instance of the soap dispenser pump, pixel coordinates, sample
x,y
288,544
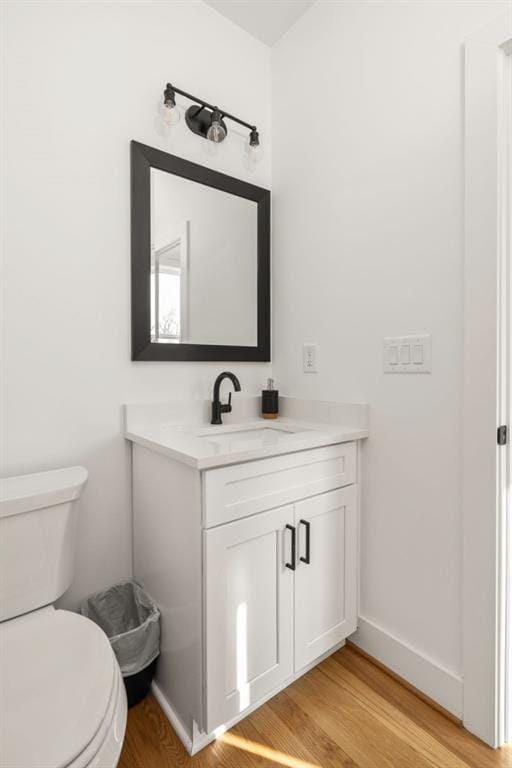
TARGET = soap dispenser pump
x,y
270,401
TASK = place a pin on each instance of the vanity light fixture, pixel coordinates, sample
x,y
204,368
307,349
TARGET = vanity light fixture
x,y
207,120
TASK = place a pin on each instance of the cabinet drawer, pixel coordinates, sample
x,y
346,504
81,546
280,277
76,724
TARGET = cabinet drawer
x,y
234,492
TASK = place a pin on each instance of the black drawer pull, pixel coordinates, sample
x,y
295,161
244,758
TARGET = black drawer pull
x,y
307,559
291,565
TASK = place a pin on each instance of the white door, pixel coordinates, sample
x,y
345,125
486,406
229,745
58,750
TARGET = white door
x,y
485,486
326,575
249,612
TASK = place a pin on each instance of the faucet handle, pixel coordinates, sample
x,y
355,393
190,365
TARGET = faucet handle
x,y
226,407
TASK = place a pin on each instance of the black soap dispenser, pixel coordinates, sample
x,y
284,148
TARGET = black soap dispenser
x,y
270,401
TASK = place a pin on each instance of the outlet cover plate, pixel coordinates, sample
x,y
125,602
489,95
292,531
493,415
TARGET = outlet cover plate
x,y
309,358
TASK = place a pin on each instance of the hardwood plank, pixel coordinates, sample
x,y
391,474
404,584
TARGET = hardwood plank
x,y
293,720
359,651
254,740
345,713
350,725
445,730
409,732
287,730
128,756
152,742
225,755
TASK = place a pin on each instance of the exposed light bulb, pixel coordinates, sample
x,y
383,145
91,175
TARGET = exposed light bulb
x,y
170,113
216,132
254,148
255,153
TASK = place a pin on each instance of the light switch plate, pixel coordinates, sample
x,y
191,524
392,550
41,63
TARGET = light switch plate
x,y
408,354
309,358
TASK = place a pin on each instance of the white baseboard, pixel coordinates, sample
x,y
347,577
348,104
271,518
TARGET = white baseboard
x,y
423,673
179,728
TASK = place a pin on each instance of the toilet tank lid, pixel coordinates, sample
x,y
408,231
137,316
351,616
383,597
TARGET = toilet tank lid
x,y
25,493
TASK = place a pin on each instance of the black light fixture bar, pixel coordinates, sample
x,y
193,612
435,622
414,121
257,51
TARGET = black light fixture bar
x,y
212,107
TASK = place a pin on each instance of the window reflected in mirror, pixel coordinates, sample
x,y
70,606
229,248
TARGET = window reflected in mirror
x,y
168,291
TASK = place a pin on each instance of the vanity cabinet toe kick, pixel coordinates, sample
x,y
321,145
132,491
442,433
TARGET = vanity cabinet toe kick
x,y
254,566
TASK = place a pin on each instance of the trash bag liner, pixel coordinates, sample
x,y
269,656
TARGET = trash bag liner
x,y
131,620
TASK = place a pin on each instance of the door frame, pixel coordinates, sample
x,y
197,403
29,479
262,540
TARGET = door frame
x,y
485,370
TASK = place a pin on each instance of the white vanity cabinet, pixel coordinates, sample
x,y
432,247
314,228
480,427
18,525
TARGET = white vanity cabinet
x,y
280,590
254,566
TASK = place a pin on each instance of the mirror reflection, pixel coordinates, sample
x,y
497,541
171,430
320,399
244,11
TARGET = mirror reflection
x,y
203,264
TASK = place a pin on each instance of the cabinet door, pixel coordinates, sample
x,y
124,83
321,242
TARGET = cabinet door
x,y
326,586
249,612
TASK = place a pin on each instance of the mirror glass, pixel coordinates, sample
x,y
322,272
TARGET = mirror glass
x,y
203,264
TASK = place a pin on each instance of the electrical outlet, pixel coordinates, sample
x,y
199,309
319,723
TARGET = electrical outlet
x,y
309,356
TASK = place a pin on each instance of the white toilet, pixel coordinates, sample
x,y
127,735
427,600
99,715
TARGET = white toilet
x,y
62,698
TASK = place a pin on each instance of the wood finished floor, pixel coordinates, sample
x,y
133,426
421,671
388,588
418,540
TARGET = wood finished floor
x,y
345,713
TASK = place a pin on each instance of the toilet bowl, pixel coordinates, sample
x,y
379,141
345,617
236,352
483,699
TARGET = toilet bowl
x,y
62,698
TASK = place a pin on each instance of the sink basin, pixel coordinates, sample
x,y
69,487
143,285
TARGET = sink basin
x,y
236,437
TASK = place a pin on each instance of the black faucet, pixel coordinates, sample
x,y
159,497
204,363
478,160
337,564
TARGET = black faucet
x,y
219,408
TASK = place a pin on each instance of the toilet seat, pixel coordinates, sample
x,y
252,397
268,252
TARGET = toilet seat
x,y
62,700
105,748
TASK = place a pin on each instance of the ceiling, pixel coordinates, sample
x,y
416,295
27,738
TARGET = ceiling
x,y
266,20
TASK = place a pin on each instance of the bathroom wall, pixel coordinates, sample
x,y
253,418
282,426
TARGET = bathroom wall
x,y
368,206
83,79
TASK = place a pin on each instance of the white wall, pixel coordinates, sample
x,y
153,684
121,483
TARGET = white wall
x,y
83,79
367,185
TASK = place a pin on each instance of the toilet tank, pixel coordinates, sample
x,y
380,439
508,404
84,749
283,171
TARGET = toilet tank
x,y
37,538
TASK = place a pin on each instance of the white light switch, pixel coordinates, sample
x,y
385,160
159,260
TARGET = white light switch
x,y
393,355
309,355
405,354
417,354
408,354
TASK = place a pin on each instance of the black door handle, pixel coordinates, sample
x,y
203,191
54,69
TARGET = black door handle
x,y
307,559
291,565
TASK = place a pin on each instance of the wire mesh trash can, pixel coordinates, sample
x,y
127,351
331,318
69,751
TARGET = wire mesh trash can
x,y
131,621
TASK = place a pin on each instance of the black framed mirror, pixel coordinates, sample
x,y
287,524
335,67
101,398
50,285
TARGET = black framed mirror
x,y
200,262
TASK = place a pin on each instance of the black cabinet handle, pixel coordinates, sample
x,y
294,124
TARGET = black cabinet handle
x,y
307,559
291,565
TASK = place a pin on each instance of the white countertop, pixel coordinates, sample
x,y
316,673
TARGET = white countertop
x,y
202,445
